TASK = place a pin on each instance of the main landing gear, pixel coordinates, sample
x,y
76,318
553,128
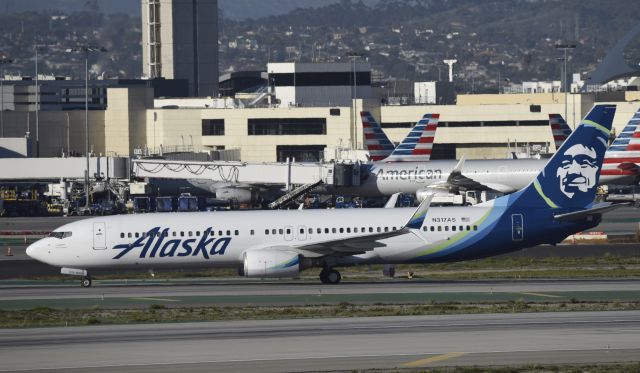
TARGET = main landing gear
x,y
85,282
330,276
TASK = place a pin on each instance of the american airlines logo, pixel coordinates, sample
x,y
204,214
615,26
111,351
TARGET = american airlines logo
x,y
417,174
156,244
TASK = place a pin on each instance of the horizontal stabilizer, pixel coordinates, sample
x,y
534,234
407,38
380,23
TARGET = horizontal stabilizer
x,y
598,209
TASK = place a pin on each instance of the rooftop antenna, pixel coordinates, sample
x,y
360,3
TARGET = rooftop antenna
x,y
450,63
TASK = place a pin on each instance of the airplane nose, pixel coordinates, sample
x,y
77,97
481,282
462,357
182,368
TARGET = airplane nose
x,y
31,250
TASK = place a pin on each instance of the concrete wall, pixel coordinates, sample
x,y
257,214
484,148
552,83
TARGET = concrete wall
x,y
126,119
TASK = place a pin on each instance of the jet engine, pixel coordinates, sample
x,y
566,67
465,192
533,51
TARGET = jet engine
x,y
241,195
271,263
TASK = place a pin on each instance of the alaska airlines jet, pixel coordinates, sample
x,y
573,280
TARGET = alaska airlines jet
x,y
557,203
622,159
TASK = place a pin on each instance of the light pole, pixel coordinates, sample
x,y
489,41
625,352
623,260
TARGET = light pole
x,y
86,49
3,61
353,56
565,47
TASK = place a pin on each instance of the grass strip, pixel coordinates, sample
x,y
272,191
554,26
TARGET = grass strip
x,y
160,313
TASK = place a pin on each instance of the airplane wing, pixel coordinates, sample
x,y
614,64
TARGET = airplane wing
x,y
598,209
457,181
365,242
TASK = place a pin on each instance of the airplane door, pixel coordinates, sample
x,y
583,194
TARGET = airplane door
x,y
288,233
302,232
517,227
99,236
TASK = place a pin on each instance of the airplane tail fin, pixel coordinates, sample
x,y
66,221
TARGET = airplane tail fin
x,y
623,156
375,140
559,128
570,178
418,144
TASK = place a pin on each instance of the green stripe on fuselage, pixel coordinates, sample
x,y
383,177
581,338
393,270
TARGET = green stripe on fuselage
x,y
457,237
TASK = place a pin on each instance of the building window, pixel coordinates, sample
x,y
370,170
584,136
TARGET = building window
x,y
213,127
301,153
287,126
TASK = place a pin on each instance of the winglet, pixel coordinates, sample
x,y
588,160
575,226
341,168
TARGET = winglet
x,y
416,220
391,203
459,165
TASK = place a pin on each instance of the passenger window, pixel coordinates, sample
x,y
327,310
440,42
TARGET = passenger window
x,y
220,233
475,227
236,232
212,233
252,232
432,229
461,228
319,230
468,227
386,229
355,230
137,234
181,233
446,228
228,233
288,230
266,232
281,231
341,230
439,228
424,228
333,230
453,228
379,230
190,233
301,231
121,235
129,234
310,230
198,233
326,230
348,230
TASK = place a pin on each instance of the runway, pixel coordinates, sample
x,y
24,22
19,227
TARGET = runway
x,y
328,344
183,293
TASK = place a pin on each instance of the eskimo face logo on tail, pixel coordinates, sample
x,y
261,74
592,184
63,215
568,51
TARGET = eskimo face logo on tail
x,y
578,172
156,243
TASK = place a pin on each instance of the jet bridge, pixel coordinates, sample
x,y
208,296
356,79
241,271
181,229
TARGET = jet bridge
x,y
281,173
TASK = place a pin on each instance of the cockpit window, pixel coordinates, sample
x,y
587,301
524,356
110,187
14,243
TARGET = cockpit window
x,y
60,235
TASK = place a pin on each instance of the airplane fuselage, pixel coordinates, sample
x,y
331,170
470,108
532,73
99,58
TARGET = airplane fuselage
x,y
219,239
502,175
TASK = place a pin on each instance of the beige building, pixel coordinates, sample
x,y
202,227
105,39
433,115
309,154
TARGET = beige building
x,y
479,126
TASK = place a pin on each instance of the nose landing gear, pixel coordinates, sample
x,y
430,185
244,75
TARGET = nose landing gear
x,y
330,276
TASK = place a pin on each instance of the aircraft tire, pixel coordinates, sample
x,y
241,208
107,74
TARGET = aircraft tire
x,y
333,277
86,282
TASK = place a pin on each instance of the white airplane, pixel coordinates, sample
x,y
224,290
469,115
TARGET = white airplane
x,y
557,203
422,178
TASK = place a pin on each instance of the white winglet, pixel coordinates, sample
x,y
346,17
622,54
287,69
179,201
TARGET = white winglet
x,y
391,203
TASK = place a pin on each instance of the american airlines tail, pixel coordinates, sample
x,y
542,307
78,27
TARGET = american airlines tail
x,y
416,147
559,128
375,140
623,156
570,178
418,144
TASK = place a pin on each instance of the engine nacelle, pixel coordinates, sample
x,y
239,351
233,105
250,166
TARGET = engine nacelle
x,y
271,263
239,194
